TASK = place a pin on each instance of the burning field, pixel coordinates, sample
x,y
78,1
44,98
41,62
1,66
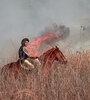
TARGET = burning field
x,y
69,81
54,79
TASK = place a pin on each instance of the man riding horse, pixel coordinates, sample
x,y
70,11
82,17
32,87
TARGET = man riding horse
x,y
26,61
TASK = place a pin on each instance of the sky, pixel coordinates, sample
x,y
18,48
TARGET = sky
x,y
28,18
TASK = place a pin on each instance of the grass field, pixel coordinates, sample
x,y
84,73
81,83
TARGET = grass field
x,y
62,82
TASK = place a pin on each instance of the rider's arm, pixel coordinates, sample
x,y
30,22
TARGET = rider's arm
x,y
26,51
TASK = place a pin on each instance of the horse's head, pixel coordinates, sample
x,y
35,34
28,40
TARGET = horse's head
x,y
59,56
52,54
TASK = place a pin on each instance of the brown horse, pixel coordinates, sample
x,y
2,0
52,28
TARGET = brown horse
x,y
48,57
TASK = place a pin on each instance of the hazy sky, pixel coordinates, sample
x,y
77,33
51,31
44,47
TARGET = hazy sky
x,y
23,18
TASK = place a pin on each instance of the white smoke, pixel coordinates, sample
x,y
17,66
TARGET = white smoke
x,y
27,18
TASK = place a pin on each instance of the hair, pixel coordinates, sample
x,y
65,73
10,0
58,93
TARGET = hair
x,y
23,41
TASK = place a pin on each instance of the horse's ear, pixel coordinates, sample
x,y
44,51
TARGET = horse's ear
x,y
56,47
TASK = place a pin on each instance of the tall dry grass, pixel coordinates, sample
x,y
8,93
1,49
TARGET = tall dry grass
x,y
61,82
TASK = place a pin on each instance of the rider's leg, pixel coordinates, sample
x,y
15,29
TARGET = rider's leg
x,y
37,61
28,63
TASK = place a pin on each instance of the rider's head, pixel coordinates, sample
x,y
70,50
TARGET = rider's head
x,y
24,42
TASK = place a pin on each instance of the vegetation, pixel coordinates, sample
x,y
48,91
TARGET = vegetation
x,y
69,81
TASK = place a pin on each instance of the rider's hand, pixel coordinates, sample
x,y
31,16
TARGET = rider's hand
x,y
22,59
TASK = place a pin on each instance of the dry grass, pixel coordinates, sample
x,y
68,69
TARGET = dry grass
x,y
61,82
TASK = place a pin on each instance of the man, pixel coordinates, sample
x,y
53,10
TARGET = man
x,y
25,59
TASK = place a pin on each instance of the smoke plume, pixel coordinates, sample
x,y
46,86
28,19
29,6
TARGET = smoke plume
x,y
61,30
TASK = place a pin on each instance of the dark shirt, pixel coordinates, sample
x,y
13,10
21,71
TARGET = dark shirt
x,y
22,54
